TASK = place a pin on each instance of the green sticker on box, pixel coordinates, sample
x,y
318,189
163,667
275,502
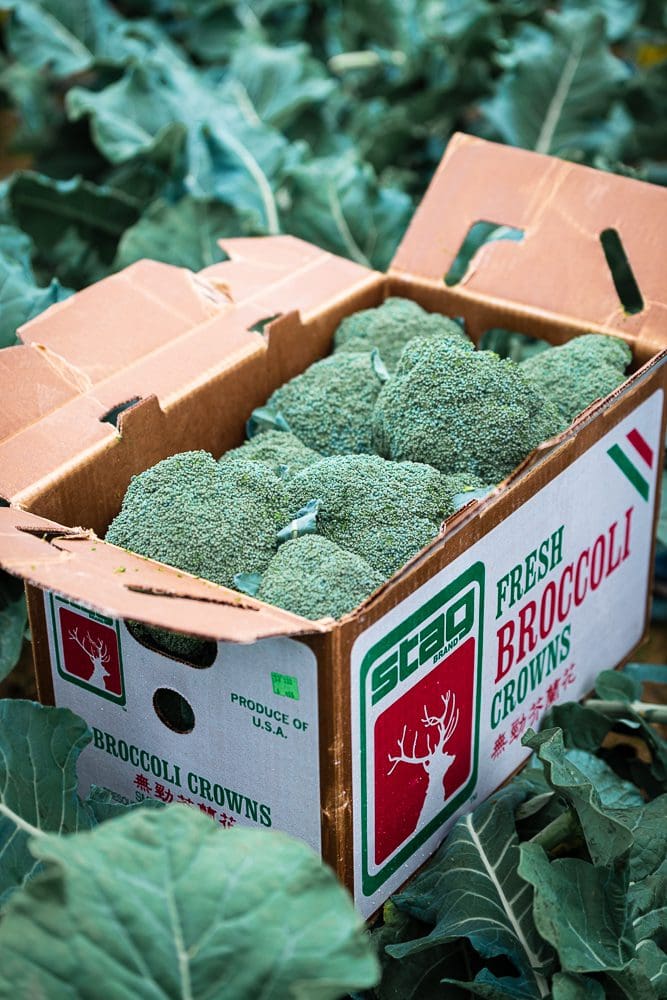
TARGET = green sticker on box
x,y
285,685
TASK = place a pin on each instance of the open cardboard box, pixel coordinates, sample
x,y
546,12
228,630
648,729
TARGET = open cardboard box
x,y
336,732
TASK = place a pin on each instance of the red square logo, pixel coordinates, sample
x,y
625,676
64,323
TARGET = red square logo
x,y
90,654
423,751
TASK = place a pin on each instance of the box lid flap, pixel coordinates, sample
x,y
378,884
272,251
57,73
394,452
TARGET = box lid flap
x,y
152,330
558,266
78,565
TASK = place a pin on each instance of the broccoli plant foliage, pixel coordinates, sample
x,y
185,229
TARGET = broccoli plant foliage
x,y
154,901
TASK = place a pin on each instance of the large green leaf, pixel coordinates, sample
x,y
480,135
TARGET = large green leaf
x,y
607,838
166,904
231,154
13,621
557,91
580,909
69,38
278,84
21,297
184,233
71,219
569,986
337,203
39,749
472,890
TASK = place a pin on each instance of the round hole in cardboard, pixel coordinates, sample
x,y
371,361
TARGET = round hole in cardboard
x,y
173,710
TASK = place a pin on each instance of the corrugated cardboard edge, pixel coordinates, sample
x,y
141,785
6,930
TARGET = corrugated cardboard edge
x,y
79,566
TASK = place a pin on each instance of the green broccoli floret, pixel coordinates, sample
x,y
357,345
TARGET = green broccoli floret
x,y
576,374
329,407
313,577
460,411
275,449
383,511
390,326
205,519
212,521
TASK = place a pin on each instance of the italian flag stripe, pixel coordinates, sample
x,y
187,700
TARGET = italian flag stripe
x,y
630,471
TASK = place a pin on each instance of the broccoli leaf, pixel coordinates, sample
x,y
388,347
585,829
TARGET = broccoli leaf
x,y
13,621
69,218
338,203
39,749
185,233
472,889
557,94
20,296
69,38
580,909
185,909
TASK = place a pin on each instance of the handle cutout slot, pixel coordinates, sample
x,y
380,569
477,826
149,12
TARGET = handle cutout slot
x,y
624,280
173,710
479,234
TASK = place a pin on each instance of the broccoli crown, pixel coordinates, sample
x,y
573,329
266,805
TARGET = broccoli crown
x,y
275,449
390,326
330,405
203,518
576,374
460,411
313,577
383,511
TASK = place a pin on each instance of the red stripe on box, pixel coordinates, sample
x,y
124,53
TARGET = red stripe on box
x,y
641,446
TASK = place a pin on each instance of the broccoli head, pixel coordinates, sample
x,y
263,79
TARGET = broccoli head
x,y
210,520
313,577
460,411
330,405
390,326
383,511
276,449
576,374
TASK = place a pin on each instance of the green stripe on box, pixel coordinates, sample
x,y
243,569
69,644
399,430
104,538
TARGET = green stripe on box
x,y
618,456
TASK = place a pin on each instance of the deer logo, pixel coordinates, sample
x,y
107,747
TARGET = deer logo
x,y
436,761
98,654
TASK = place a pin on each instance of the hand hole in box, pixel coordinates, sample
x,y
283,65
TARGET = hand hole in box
x,y
173,710
479,234
188,649
624,280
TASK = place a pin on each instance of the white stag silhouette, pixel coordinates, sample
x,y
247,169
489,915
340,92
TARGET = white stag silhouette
x,y
436,761
97,653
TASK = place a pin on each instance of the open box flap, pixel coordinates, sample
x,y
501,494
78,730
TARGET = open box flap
x,y
559,266
153,330
79,566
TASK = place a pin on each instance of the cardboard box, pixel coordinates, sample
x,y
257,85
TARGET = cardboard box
x,y
336,732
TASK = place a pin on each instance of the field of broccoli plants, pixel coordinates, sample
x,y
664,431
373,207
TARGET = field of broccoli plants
x,y
152,128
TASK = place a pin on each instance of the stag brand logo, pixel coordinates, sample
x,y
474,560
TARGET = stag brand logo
x,y
420,695
87,649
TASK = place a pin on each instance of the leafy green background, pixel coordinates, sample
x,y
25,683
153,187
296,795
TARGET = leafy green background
x,y
154,127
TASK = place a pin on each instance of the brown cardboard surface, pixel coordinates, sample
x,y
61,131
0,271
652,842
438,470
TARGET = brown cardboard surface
x,y
559,268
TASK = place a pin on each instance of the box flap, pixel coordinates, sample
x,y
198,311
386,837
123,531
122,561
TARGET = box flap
x,y
77,565
559,266
152,330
